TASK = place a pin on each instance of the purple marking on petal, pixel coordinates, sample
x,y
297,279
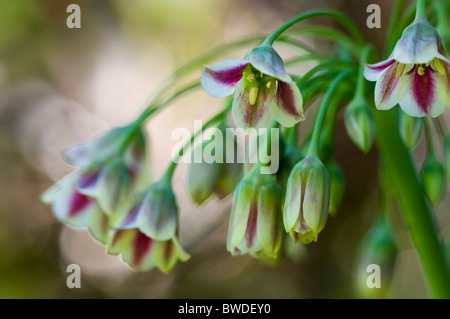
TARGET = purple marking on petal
x,y
88,180
253,113
389,83
227,76
380,66
142,245
286,100
131,217
423,88
78,202
250,232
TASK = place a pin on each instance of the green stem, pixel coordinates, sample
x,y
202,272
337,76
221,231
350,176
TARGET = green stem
x,y
315,139
417,213
421,11
393,26
341,18
329,34
360,84
216,118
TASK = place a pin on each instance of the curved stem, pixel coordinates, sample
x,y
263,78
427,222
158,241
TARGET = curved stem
x,y
315,139
216,118
341,18
329,34
416,211
360,84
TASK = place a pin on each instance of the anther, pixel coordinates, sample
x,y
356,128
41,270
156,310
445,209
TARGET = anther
x,y
253,95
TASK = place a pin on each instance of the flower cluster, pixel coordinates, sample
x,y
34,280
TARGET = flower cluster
x,y
110,195
112,169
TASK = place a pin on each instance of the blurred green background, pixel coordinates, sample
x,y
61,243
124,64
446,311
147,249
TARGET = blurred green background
x,y
60,85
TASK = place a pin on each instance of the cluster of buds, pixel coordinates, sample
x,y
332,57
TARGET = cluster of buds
x,y
111,169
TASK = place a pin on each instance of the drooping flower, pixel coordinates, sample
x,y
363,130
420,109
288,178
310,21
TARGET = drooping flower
x,y
109,169
147,236
262,88
219,176
144,253
255,224
307,200
77,210
416,75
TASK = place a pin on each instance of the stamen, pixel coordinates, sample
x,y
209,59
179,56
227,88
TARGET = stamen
x,y
439,66
269,84
400,69
253,95
250,77
421,70
261,74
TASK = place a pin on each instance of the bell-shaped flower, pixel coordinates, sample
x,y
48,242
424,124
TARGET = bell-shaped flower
x,y
263,90
75,209
307,200
255,224
154,211
147,236
110,168
144,253
416,75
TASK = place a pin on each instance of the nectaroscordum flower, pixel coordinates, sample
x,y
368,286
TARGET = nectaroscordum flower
x,y
416,75
148,236
262,88
307,200
109,168
255,224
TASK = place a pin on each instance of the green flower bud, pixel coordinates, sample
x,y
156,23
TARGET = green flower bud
x,y
291,156
202,177
359,124
220,178
410,129
307,200
433,179
377,248
255,223
447,155
337,186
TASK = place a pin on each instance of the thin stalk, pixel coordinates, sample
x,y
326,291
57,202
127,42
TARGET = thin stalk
x,y
341,18
315,139
171,168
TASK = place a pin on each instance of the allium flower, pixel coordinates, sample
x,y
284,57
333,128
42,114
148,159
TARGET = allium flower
x,y
147,236
75,209
109,169
416,75
144,253
262,88
307,200
255,224
154,211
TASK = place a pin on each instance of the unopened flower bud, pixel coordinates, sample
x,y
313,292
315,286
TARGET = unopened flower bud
x,y
410,129
291,156
337,186
202,177
433,178
378,249
359,124
307,200
255,224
